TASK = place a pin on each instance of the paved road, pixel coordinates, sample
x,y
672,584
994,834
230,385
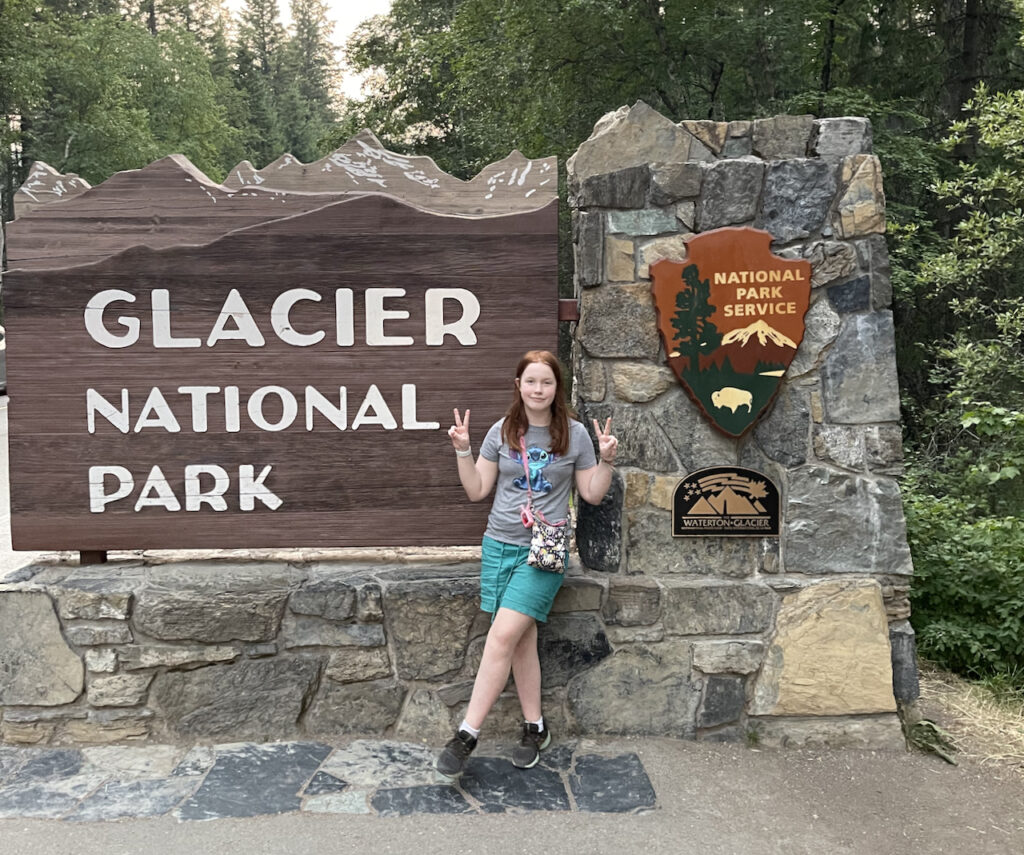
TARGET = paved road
x,y
709,799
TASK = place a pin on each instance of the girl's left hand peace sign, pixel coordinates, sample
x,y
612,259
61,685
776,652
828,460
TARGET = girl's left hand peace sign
x,y
607,444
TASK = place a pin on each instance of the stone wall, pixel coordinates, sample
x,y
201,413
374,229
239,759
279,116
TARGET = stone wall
x,y
208,651
793,639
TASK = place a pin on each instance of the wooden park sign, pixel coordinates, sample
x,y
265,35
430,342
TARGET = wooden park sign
x,y
192,365
731,317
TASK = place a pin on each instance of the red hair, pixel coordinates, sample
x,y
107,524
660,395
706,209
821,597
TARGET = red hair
x,y
516,422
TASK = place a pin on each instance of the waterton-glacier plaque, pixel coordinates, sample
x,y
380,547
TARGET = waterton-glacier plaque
x,y
725,500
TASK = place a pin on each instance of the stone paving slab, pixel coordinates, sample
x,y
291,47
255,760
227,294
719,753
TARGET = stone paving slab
x,y
255,780
497,785
132,800
241,780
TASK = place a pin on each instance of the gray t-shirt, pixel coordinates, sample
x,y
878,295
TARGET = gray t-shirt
x,y
551,478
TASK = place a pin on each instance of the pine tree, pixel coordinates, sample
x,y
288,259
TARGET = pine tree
x,y
257,72
695,334
309,79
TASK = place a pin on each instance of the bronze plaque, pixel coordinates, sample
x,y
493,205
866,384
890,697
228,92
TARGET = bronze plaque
x,y
725,500
286,384
731,316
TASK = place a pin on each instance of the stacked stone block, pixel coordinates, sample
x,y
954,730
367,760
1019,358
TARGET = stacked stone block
x,y
780,640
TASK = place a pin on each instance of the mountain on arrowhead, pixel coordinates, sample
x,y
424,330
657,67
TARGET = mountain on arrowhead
x,y
754,348
764,333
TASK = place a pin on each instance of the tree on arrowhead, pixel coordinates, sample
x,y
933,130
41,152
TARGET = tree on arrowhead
x,y
695,334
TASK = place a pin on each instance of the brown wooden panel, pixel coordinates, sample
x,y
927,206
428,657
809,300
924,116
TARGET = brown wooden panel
x,y
168,203
62,222
338,487
363,165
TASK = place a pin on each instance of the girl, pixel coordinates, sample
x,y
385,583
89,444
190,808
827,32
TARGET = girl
x,y
516,594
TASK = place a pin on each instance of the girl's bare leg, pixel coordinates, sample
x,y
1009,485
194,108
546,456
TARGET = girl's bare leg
x,y
526,671
502,640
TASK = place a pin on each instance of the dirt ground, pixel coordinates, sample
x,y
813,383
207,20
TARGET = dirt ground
x,y
982,728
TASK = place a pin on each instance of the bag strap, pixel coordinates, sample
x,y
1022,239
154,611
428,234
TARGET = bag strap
x,y
529,491
526,469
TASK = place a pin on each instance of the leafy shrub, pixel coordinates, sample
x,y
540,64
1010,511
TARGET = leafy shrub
x,y
968,594
965,488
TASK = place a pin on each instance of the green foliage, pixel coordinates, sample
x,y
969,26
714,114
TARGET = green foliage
x,y
411,54
22,63
93,87
1007,687
309,72
965,493
998,455
469,78
968,594
113,96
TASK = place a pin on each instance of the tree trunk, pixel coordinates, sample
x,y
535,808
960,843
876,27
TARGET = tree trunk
x,y
970,54
967,73
828,53
657,22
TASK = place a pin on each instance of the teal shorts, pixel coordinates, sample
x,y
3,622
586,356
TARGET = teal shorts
x,y
507,581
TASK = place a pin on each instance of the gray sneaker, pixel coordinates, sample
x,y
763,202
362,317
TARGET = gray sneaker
x,y
534,740
452,760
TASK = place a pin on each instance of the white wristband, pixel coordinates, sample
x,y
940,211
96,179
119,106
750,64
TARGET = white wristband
x,y
467,453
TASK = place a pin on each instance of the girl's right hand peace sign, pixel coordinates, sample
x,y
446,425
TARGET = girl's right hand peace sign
x,y
459,432
607,444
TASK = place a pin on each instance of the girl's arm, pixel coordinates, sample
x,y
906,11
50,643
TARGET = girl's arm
x,y
477,478
594,482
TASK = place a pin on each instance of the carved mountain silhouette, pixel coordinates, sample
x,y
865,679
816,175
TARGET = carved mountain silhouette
x,y
363,165
62,222
169,202
45,184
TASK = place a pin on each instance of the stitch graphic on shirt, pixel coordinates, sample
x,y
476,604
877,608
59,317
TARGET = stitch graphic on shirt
x,y
536,459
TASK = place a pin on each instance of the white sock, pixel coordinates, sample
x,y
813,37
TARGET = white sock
x,y
472,731
539,722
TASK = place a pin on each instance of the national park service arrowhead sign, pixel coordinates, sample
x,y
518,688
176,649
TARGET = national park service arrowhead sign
x,y
731,316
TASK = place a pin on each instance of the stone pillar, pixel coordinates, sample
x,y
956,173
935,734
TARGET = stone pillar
x,y
779,640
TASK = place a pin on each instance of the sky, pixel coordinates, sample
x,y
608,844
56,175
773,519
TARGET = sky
x,y
347,15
